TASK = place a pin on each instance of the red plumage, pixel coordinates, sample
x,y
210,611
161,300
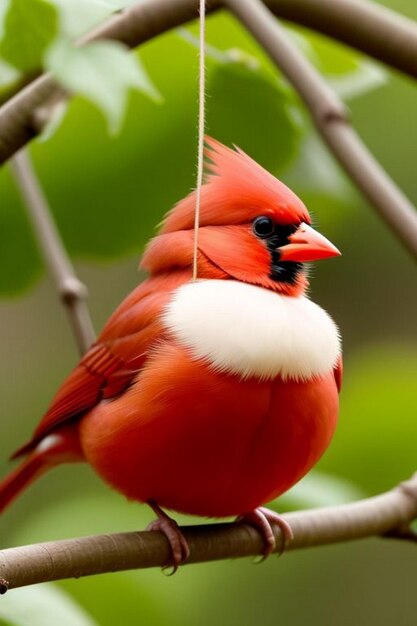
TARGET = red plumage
x,y
161,424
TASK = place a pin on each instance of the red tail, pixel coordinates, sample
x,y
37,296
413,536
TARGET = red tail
x,y
57,448
30,469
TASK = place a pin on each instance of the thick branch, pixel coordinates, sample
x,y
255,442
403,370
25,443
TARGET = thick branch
x,y
70,289
331,120
55,560
368,27
372,29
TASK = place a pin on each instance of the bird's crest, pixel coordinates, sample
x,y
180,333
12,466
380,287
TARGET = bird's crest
x,y
236,190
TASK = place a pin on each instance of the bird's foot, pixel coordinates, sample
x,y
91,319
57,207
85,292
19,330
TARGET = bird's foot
x,y
263,519
177,541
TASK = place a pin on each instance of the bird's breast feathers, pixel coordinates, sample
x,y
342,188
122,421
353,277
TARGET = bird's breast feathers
x,y
249,331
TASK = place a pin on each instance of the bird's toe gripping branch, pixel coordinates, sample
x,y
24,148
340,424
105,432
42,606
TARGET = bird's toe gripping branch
x,y
263,520
169,527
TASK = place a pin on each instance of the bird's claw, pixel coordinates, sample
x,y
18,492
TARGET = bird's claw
x,y
263,519
179,546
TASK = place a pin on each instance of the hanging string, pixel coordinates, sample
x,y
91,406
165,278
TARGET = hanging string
x,y
201,127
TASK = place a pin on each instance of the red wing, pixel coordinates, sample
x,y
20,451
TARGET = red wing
x,y
113,360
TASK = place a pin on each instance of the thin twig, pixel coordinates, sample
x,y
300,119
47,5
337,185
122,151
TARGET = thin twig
x,y
331,120
55,560
70,289
374,30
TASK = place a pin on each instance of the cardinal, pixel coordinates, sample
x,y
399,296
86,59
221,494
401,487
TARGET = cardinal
x,y
213,396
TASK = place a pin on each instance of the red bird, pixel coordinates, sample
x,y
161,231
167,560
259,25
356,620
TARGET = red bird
x,y
209,397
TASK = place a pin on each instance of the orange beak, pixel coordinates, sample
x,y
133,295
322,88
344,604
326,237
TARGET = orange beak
x,y
306,244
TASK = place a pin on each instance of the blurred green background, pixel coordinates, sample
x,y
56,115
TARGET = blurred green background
x,y
107,194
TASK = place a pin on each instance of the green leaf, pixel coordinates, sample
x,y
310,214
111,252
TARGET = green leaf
x,y
223,56
240,89
330,57
29,28
103,72
348,73
42,605
79,16
120,187
126,184
367,77
243,96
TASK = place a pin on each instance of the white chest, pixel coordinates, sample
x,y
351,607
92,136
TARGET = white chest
x,y
249,331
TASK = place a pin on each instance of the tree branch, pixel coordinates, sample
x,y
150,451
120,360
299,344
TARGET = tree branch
x,y
71,290
55,560
369,29
330,118
372,29
364,25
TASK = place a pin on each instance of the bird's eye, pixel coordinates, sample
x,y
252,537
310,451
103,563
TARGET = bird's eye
x,y
263,227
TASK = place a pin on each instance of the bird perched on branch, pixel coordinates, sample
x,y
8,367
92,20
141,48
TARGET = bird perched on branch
x,y
209,397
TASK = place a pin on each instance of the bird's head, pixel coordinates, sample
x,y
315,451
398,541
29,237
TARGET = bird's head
x,y
252,228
